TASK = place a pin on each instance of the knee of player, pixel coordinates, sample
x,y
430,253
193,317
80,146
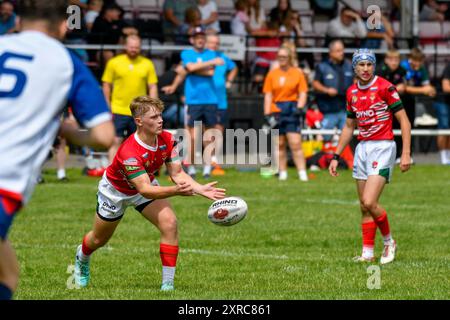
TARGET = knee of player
x,y
368,204
169,224
99,241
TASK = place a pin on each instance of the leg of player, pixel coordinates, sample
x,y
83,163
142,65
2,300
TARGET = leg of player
x,y
94,239
295,144
207,141
368,226
217,169
191,169
61,157
282,157
372,191
161,214
9,270
113,149
9,266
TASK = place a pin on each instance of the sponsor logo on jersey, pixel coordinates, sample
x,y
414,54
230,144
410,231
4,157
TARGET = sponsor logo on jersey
x,y
130,161
373,89
132,168
372,97
365,114
364,98
355,91
354,99
163,147
145,155
374,164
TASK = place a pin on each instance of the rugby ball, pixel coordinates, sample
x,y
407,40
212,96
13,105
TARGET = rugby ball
x,y
227,211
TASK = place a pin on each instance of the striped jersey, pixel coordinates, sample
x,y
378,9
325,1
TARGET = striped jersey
x,y
38,77
135,158
373,107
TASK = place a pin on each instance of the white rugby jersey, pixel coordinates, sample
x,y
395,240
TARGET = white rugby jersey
x,y
38,77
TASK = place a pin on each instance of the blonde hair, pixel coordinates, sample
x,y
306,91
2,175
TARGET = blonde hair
x,y
291,49
393,53
141,105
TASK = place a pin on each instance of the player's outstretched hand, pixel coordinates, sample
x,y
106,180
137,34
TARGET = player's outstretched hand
x,y
184,189
332,169
405,162
211,192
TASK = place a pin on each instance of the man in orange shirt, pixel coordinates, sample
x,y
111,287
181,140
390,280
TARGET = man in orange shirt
x,y
285,92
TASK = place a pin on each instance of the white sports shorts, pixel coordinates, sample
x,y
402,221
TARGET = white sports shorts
x,y
111,204
375,157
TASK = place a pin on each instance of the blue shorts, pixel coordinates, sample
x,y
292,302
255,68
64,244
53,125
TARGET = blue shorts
x,y
206,113
442,114
8,209
222,117
124,125
288,119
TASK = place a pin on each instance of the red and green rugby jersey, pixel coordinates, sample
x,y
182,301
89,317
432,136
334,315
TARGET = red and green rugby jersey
x,y
373,107
135,158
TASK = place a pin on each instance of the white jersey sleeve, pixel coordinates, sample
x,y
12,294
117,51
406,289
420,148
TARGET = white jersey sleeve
x,y
38,77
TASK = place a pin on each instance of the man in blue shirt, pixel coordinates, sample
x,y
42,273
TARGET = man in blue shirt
x,y
331,81
200,91
7,18
223,78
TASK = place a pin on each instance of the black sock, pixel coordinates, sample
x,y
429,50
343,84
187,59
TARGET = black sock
x,y
5,292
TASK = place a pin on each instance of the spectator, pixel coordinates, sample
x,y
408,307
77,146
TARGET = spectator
x,y
126,77
325,7
209,14
348,24
267,37
395,74
173,16
293,28
192,19
200,93
285,94
433,11
379,35
280,12
417,82
172,96
108,28
94,8
240,24
332,78
442,107
7,18
256,14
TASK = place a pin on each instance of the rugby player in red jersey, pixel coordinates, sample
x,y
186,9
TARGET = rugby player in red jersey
x,y
372,102
130,181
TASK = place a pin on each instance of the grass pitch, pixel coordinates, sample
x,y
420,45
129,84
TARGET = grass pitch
x,y
297,242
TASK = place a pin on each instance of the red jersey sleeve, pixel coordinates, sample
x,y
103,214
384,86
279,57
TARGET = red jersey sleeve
x,y
349,97
390,95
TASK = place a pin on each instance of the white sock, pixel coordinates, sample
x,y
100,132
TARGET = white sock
x,y
214,159
191,170
168,274
367,252
387,239
82,256
206,169
448,156
303,175
61,173
282,175
444,156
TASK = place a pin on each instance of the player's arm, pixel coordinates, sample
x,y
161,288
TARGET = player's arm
x,y
405,126
208,190
99,136
147,190
107,89
344,140
153,90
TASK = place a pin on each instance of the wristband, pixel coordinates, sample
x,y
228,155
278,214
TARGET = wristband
x,y
336,157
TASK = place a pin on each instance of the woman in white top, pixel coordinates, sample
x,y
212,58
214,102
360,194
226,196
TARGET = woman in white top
x,y
210,15
256,14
